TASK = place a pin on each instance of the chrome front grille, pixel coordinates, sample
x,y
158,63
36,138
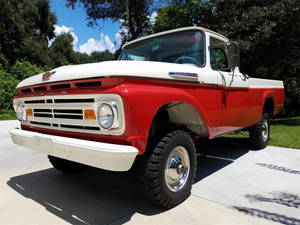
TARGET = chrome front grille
x,y
76,114
61,113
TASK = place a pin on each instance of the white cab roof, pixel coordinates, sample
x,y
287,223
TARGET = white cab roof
x,y
174,31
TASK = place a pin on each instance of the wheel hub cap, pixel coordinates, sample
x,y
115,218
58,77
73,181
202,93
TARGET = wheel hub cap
x,y
265,130
177,168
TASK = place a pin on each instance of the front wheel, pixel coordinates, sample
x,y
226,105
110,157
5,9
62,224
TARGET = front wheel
x,y
168,173
260,133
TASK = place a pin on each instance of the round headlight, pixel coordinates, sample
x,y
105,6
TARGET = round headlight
x,y
19,109
106,116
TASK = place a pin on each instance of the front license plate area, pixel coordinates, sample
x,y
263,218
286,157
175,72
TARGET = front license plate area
x,y
42,144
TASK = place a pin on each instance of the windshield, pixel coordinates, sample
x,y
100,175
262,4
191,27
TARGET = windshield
x,y
185,47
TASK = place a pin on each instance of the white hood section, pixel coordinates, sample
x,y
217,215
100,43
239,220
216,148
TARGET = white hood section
x,y
144,69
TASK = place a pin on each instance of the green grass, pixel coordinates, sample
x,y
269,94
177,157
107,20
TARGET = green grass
x,y
284,133
7,114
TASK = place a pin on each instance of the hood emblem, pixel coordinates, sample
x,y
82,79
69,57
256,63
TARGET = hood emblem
x,y
46,76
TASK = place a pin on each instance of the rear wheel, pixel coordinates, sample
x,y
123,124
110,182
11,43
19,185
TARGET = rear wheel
x,y
168,173
66,166
260,133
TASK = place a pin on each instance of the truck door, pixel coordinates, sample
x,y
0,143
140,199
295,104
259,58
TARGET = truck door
x,y
234,92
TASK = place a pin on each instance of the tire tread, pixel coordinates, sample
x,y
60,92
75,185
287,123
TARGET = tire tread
x,y
149,171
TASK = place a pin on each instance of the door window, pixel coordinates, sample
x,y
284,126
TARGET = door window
x,y
218,55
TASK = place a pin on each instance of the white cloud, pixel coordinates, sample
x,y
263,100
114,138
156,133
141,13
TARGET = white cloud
x,y
118,36
64,30
103,44
153,17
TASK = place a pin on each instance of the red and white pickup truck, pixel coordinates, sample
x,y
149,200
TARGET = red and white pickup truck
x,y
149,107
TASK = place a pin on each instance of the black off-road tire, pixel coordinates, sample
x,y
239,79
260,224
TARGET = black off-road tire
x,y
257,139
66,166
151,170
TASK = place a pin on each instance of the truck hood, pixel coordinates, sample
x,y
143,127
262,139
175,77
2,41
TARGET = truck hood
x,y
143,69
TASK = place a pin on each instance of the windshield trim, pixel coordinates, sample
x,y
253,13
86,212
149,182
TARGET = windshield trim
x,y
174,31
166,33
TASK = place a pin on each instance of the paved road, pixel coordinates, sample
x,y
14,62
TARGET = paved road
x,y
264,184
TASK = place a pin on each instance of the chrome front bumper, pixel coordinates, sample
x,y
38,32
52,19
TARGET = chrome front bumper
x,y
97,154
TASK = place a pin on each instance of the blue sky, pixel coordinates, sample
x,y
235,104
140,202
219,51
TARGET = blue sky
x,y
87,39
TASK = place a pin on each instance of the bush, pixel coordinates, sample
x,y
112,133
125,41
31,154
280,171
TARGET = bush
x,y
7,88
292,96
10,78
23,70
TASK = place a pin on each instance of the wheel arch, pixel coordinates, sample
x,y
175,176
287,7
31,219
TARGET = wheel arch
x,y
269,104
180,114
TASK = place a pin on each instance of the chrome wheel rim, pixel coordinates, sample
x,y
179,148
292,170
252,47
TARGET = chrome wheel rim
x,y
177,168
265,130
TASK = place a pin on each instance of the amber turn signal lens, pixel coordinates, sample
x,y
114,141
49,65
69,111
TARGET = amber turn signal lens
x,y
89,114
29,112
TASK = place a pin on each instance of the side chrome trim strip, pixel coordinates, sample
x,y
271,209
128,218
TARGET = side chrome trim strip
x,y
193,76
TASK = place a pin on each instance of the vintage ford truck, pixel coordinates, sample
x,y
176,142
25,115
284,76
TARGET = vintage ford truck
x,y
146,109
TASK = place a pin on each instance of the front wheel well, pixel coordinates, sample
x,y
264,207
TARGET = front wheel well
x,y
269,107
177,115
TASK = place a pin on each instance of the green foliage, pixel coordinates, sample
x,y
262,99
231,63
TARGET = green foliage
x,y
3,60
292,103
7,114
22,70
95,57
179,14
7,88
268,33
62,52
25,28
11,77
101,56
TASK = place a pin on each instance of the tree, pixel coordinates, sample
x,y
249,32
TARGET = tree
x,y
95,57
133,14
180,13
25,28
101,56
3,60
61,51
